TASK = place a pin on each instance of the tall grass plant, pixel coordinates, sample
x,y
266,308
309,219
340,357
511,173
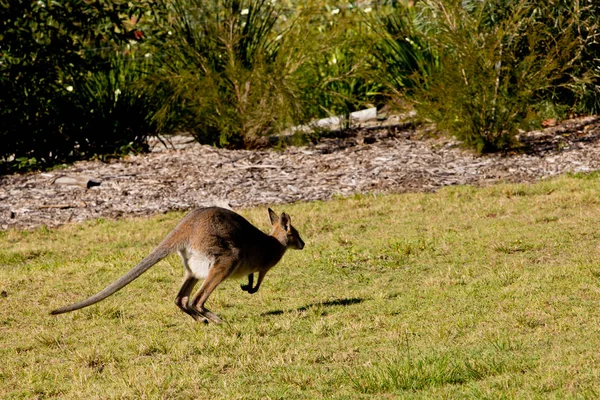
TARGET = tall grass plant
x,y
483,70
236,70
221,65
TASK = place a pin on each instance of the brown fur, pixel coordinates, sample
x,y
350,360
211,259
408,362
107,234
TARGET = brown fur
x,y
214,243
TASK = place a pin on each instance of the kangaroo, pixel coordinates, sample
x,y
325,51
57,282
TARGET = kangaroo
x,y
214,244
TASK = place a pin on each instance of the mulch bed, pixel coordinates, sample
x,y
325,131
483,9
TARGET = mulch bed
x,y
185,174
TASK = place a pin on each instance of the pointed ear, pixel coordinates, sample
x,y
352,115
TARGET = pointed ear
x,y
285,221
273,217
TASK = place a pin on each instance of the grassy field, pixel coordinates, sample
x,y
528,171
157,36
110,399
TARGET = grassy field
x,y
465,293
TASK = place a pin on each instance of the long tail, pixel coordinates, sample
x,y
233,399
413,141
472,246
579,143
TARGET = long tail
x,y
158,254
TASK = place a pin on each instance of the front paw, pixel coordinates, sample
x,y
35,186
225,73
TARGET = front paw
x,y
252,290
246,288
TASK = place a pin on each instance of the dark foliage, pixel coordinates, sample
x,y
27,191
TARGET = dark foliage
x,y
51,54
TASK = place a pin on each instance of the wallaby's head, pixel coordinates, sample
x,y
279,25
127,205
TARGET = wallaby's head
x,y
283,230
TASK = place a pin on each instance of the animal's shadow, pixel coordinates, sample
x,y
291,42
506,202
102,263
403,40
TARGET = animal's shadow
x,y
330,303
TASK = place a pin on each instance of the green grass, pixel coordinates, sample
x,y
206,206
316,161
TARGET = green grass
x,y
465,293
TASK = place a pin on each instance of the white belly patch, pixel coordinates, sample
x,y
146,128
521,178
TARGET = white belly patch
x,y
197,263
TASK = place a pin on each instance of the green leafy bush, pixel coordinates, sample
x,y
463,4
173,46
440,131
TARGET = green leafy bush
x,y
337,75
402,54
75,82
111,109
54,60
239,70
485,69
578,89
222,70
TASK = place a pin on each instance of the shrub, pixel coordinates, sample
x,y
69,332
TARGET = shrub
x,y
238,70
485,69
337,78
221,67
402,54
489,74
111,110
54,57
578,89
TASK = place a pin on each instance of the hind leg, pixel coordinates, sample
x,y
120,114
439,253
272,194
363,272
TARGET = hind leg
x,y
189,281
183,297
218,273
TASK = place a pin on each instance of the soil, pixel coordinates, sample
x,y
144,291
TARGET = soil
x,y
181,174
